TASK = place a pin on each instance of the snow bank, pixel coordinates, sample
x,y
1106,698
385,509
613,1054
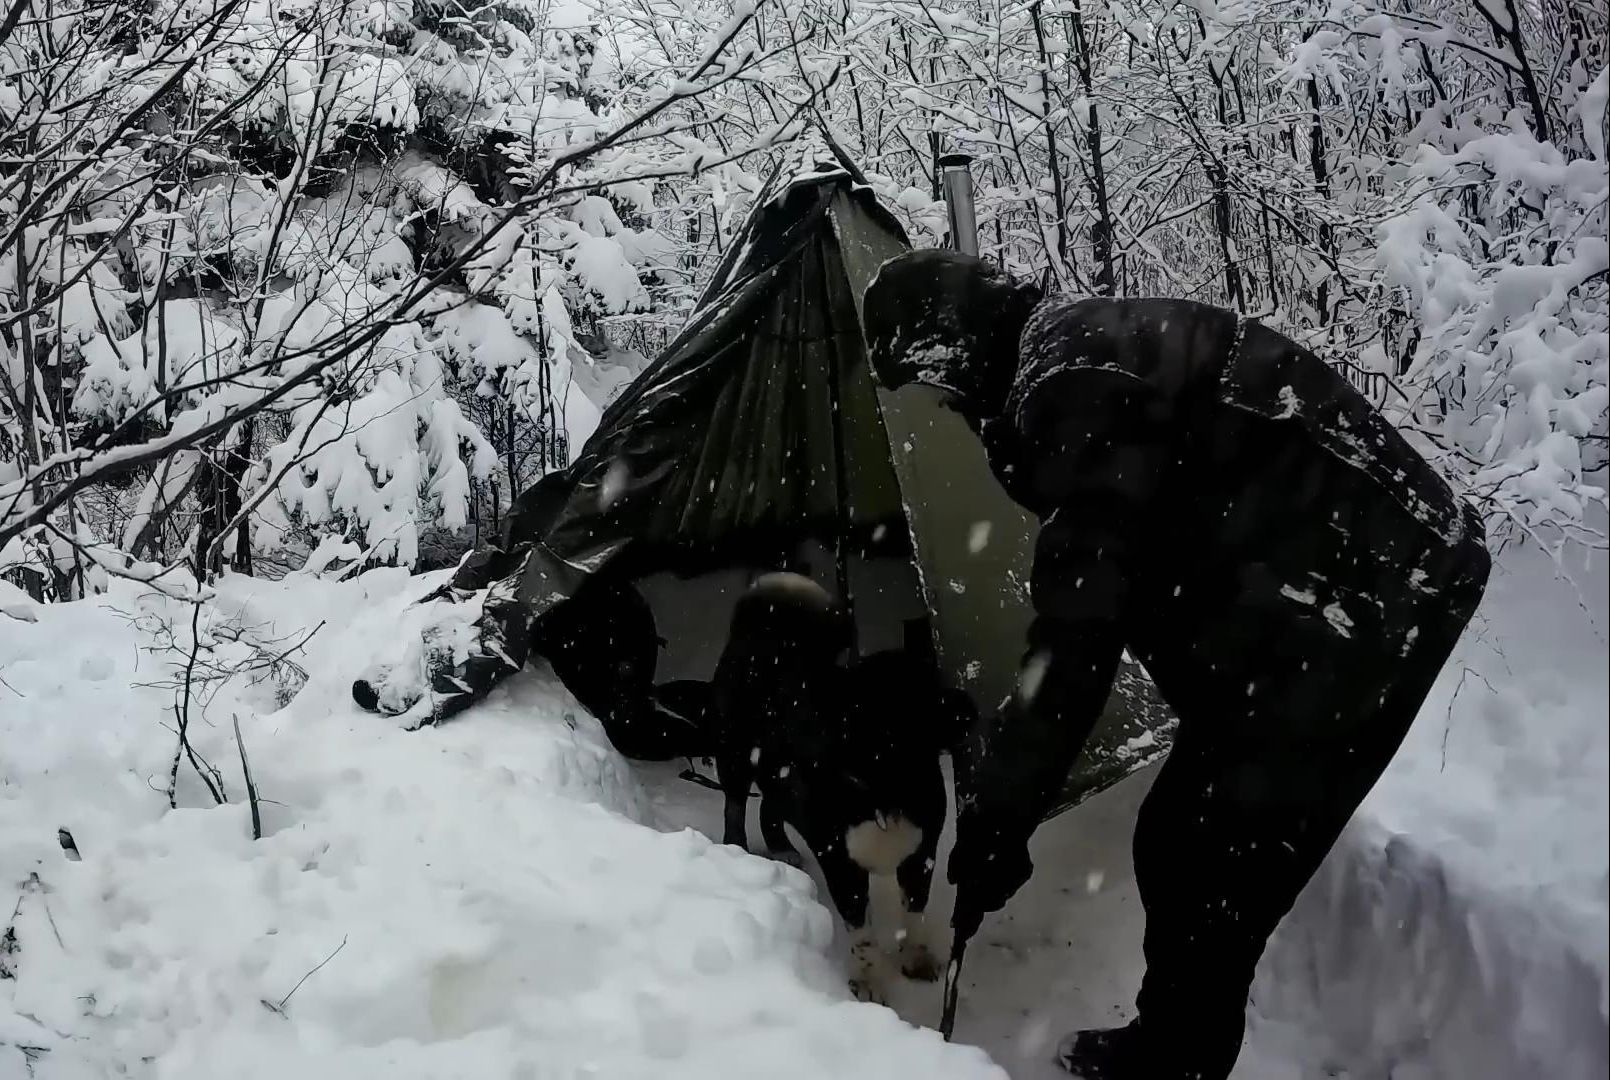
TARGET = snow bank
x,y
1507,771
1459,928
479,900
1395,964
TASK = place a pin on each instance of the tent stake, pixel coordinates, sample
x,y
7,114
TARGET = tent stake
x,y
953,986
964,922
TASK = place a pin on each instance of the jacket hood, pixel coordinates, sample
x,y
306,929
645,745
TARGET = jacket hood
x,y
944,319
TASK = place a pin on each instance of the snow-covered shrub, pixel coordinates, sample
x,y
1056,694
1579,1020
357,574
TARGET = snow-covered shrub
x,y
1515,310
319,267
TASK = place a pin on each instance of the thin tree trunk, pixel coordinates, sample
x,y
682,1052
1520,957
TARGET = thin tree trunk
x,y
1321,169
1223,211
510,462
209,497
1101,230
860,114
1269,258
1515,41
25,331
1058,193
239,462
1222,219
936,148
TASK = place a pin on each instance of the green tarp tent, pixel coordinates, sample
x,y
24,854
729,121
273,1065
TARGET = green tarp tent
x,y
759,437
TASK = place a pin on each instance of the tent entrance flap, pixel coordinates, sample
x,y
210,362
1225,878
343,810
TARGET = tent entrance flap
x,y
974,549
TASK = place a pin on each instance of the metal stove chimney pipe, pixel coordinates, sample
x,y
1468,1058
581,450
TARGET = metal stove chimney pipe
x,y
958,186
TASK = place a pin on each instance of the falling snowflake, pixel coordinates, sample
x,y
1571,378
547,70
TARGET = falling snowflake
x,y
1031,678
613,484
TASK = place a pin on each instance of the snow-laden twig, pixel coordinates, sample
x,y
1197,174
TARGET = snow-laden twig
x,y
280,1008
181,714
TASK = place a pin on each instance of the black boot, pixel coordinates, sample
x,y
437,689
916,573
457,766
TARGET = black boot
x,y
1104,1053
1128,1053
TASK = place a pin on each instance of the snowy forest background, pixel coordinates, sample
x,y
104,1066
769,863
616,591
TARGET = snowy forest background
x,y
329,282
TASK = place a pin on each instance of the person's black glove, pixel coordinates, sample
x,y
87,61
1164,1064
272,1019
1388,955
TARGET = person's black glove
x,y
989,863
990,860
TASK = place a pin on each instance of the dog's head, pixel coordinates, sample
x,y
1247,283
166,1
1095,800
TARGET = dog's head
x,y
791,611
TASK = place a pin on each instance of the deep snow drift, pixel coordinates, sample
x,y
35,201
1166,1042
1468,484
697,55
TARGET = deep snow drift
x,y
1460,929
481,897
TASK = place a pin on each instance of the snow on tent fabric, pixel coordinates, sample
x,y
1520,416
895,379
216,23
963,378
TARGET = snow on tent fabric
x,y
758,439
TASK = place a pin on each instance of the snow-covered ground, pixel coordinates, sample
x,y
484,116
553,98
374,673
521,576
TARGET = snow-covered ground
x,y
482,898
504,896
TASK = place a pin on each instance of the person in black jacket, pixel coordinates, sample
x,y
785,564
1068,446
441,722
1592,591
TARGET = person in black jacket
x,y
1292,574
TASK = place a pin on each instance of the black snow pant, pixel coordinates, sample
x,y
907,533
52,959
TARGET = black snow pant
x,y
1245,809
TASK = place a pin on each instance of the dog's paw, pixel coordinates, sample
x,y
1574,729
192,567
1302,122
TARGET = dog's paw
x,y
917,961
869,987
869,979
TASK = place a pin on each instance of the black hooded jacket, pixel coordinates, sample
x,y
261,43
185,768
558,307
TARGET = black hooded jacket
x,y
1226,506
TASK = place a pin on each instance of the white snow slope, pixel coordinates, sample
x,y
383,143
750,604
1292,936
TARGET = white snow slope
x,y
477,901
1460,930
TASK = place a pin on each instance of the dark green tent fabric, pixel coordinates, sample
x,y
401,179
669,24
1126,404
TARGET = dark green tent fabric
x,y
758,425
761,426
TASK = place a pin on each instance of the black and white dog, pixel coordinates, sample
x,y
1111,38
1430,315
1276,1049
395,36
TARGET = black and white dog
x,y
849,757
